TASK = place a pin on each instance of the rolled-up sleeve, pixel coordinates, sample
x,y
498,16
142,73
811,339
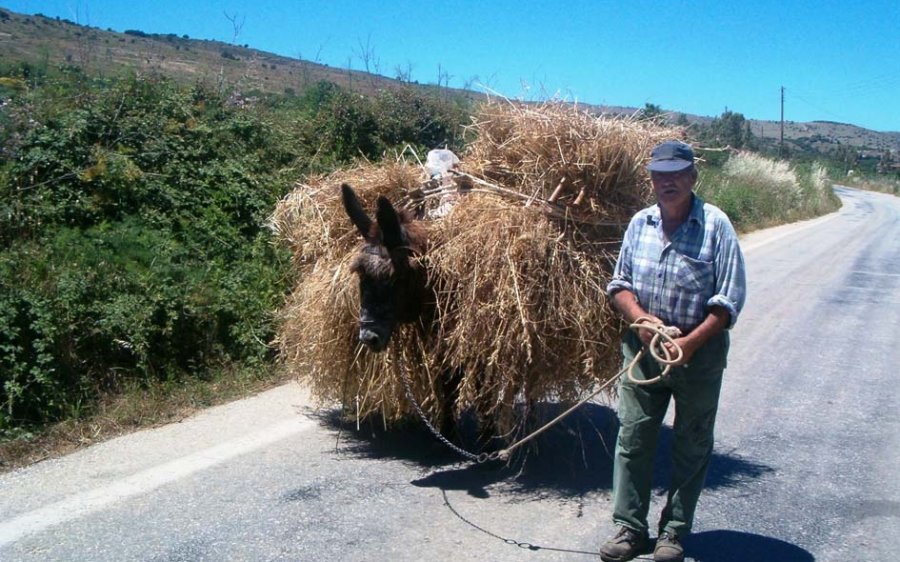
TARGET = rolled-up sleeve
x,y
622,274
731,275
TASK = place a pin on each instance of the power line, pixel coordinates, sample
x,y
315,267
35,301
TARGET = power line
x,y
880,82
793,94
781,144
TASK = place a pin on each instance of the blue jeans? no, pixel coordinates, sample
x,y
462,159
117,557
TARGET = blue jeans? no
x,y
695,390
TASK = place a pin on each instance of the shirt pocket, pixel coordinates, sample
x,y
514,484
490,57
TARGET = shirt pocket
x,y
694,275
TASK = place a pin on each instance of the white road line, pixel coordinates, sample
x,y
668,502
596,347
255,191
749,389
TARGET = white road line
x,y
86,503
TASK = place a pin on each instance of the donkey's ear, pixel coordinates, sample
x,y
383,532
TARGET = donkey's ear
x,y
389,223
355,210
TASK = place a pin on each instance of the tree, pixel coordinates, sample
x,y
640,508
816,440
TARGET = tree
x,y
846,156
235,26
652,111
730,129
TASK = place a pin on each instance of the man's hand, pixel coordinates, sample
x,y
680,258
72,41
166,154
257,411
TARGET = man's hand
x,y
627,304
688,348
716,321
647,334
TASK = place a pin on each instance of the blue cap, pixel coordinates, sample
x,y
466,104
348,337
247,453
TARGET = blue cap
x,y
671,156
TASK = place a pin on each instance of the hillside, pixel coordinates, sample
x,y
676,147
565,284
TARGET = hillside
x,y
46,42
823,136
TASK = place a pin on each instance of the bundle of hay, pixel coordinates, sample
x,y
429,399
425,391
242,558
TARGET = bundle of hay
x,y
519,267
556,152
311,220
521,305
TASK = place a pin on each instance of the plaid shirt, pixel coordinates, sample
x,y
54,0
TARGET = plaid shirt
x,y
678,280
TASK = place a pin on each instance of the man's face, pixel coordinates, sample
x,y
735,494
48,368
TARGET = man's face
x,y
673,189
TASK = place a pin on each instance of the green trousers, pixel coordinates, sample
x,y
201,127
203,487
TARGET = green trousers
x,y
695,390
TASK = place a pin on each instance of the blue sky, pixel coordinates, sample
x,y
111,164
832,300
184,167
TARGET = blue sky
x,y
838,61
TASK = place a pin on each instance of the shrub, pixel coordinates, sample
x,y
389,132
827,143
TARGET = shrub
x,y
341,125
756,191
133,243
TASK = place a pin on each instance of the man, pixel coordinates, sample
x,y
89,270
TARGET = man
x,y
680,265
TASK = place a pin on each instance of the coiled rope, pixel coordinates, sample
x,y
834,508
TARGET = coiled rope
x,y
658,350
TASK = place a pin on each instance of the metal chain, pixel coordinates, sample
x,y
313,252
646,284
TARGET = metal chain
x,y
479,458
512,542
520,544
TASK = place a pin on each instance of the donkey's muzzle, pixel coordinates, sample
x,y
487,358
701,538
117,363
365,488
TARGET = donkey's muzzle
x,y
373,338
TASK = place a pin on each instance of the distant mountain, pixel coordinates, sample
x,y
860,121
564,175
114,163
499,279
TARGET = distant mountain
x,y
48,42
824,136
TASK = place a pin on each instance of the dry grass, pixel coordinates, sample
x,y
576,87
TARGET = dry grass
x,y
521,305
518,268
311,221
598,162
882,184
776,177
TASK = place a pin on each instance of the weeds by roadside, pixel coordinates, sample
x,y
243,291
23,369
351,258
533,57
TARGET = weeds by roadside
x,y
757,192
136,407
884,185
134,252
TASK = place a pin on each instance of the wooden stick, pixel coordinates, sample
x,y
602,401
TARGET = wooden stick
x,y
557,192
580,197
490,185
551,209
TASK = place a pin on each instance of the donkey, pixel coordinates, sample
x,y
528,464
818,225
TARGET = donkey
x,y
394,288
392,283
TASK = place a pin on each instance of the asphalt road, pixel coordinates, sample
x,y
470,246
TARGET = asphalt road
x,y
805,467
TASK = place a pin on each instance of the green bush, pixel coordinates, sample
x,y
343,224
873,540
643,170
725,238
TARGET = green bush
x,y
339,126
134,243
133,238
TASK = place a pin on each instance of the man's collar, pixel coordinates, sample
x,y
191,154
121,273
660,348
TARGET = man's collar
x,y
696,209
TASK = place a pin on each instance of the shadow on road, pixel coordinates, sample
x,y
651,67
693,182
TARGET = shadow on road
x,y
734,546
572,458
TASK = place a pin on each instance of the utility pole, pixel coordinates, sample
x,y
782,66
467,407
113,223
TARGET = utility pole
x,y
781,145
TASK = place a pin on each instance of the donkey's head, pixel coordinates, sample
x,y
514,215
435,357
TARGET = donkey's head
x,y
392,283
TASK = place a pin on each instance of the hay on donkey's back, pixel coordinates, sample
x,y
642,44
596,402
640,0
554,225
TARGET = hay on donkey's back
x,y
521,306
311,220
596,161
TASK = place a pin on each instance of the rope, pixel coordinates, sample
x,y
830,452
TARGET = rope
x,y
661,335
657,348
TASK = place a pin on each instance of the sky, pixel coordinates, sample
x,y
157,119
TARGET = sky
x,y
837,61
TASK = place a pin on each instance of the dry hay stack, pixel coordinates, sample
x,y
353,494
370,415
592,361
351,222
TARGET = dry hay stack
x,y
520,287
317,337
521,305
311,220
597,164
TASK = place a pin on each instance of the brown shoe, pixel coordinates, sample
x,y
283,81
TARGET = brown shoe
x,y
625,545
668,548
